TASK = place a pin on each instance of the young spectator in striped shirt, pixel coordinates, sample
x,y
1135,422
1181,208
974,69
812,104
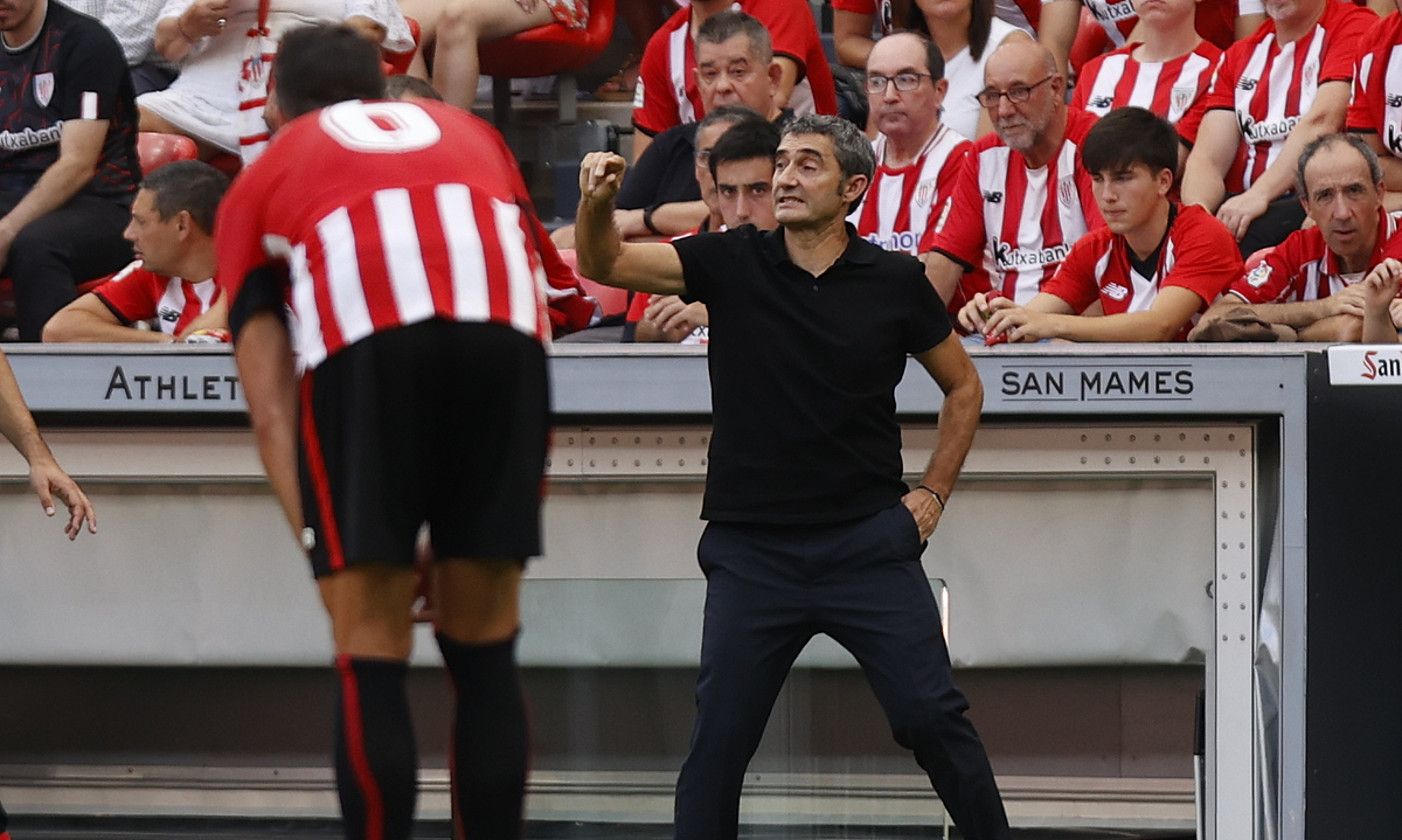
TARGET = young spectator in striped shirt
x,y
1271,95
1375,112
1167,71
1221,22
668,94
917,157
1307,287
1028,179
1154,266
172,280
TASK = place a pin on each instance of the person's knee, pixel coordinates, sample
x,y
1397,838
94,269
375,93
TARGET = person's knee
x,y
478,601
459,21
370,611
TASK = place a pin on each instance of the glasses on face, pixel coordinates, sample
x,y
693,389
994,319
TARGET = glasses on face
x,y
738,74
904,82
1017,94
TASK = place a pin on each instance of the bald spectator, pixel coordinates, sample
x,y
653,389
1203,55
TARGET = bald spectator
x,y
172,280
917,157
1273,93
1165,71
1027,179
668,94
1307,287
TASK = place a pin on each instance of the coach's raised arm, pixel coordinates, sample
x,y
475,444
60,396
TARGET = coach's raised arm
x,y
603,256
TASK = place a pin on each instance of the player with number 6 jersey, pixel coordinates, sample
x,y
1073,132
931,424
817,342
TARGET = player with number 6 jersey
x,y
415,268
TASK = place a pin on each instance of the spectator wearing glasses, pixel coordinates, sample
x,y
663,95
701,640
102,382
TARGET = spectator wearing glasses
x,y
1153,267
1166,71
1272,94
1028,179
917,156
967,32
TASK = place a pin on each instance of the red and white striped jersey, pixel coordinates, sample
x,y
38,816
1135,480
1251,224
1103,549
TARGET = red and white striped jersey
x,y
1169,88
667,94
1302,268
1199,254
136,294
1270,85
1030,216
1376,106
1023,14
903,203
1214,20
387,214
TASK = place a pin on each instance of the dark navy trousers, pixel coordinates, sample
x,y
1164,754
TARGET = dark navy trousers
x,y
772,588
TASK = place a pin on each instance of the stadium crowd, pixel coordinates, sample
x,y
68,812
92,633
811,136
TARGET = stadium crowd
x,y
1284,120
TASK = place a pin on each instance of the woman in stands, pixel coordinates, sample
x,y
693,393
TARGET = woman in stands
x,y
451,29
967,32
208,38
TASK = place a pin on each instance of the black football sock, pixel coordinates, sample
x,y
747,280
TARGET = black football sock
x,y
489,739
376,758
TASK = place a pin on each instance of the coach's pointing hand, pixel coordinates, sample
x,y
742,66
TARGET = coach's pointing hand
x,y
600,176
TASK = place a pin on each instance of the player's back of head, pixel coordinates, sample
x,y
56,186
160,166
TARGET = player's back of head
x,y
321,65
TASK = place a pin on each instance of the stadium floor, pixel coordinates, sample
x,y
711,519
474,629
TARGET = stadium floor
x,y
122,829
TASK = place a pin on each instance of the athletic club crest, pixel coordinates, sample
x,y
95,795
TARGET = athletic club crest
x,y
1182,98
925,193
44,89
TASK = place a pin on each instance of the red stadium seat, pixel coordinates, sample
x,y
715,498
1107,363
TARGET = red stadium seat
x,y
612,301
550,50
1091,40
155,150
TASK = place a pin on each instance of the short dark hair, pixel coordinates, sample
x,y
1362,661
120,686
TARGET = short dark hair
x,y
1375,169
746,140
849,145
722,27
402,85
1127,136
729,114
321,65
188,185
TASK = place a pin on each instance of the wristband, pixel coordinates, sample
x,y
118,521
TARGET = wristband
x,y
939,500
647,221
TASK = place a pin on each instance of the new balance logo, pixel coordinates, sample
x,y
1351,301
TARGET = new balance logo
x,y
1246,84
1115,291
1101,102
169,314
1394,100
993,197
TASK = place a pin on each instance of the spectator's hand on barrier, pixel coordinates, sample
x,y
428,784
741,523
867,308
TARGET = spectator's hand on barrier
x,y
600,176
1350,300
205,18
674,317
1239,211
48,481
925,509
1381,285
974,316
1018,324
1395,310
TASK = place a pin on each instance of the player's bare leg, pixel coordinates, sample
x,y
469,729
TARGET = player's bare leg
x,y
478,616
376,758
461,25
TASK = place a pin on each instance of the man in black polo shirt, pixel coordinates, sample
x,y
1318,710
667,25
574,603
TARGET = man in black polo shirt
x,y
811,529
68,165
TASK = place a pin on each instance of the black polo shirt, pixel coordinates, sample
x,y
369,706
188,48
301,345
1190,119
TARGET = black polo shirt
x,y
803,374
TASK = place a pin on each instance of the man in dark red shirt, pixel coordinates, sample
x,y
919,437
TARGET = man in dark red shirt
x,y
415,275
